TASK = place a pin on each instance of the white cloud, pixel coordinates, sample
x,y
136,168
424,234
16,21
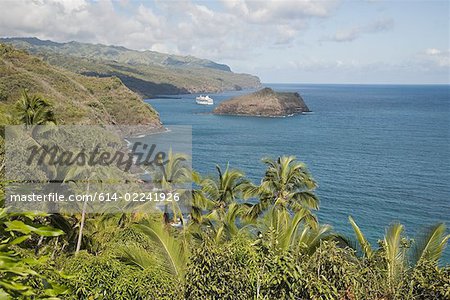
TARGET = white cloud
x,y
353,33
232,29
433,51
69,5
267,11
436,57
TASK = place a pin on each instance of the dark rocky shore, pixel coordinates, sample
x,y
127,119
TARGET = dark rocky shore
x,y
263,103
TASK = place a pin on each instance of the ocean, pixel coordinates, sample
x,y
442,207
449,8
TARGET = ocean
x,y
380,153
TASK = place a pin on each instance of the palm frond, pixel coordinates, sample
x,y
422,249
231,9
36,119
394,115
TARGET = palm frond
x,y
430,245
134,254
309,238
363,243
394,254
174,253
288,236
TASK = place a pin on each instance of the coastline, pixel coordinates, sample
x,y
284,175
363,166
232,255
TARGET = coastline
x,y
260,116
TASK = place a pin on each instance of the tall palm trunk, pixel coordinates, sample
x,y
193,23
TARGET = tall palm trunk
x,y
83,216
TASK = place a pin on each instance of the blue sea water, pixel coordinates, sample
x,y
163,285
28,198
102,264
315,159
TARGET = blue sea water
x,y
380,153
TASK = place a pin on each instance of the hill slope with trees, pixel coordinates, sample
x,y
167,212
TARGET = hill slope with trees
x,y
76,98
148,73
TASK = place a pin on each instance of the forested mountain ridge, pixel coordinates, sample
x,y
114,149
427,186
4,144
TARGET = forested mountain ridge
x,y
148,73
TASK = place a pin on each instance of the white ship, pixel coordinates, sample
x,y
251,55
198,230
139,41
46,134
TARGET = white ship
x,y
204,100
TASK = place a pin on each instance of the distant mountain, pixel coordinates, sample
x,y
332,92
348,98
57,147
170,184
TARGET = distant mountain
x,y
115,53
146,72
77,99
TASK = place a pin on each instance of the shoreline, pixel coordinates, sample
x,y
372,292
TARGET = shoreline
x,y
262,116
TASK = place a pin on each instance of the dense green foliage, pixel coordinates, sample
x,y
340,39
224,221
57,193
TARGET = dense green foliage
x,y
223,254
106,277
230,267
239,240
18,279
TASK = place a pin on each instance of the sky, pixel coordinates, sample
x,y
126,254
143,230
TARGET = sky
x,y
279,41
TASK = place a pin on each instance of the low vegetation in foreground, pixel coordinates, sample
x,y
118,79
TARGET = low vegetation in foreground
x,y
240,240
274,248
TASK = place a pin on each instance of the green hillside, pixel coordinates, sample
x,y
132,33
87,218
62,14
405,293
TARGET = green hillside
x,y
148,73
76,98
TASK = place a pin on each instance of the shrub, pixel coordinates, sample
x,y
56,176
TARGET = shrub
x,y
3,93
220,272
279,276
106,277
430,282
333,273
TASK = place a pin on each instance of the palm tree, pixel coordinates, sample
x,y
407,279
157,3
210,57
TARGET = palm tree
x,y
85,175
200,202
171,177
286,184
221,227
292,232
34,110
215,206
392,252
217,194
394,249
